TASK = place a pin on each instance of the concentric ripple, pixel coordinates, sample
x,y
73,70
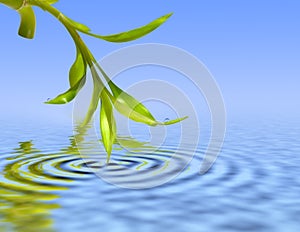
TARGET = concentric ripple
x,y
30,183
253,185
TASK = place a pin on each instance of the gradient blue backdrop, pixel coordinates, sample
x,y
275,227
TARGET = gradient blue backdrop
x,y
251,48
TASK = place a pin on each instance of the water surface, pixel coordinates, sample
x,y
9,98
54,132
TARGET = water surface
x,y
253,186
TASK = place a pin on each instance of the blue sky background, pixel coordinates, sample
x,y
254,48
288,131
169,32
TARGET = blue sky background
x,y
251,48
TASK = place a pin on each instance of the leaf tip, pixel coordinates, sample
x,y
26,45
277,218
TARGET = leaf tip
x,y
56,101
174,121
108,158
166,16
170,14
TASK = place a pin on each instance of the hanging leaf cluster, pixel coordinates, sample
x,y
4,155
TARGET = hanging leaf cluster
x,y
109,96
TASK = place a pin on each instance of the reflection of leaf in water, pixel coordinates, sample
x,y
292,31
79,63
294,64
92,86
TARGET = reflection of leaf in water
x,y
78,139
24,148
142,154
27,188
25,202
133,146
131,143
126,150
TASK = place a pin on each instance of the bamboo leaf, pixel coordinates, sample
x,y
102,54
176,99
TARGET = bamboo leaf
x,y
130,107
16,4
77,78
77,70
173,121
69,95
107,124
135,110
135,33
51,1
27,25
98,88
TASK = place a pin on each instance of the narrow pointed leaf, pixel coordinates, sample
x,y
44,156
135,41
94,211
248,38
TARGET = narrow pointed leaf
x,y
98,88
16,4
130,107
27,25
135,33
67,96
93,107
77,78
51,1
107,124
173,121
77,70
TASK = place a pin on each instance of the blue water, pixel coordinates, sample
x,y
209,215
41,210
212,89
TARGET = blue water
x,y
253,186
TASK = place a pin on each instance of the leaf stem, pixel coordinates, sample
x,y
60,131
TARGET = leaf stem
x,y
87,55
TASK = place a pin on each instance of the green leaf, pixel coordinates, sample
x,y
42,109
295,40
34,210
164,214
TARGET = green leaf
x,y
173,121
78,69
69,95
27,25
98,88
16,4
130,107
51,1
135,33
77,78
107,124
135,110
